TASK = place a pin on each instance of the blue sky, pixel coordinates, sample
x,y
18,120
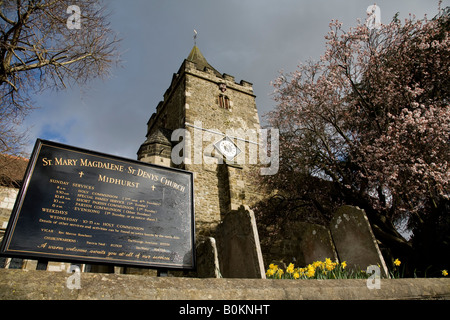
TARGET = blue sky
x,y
250,39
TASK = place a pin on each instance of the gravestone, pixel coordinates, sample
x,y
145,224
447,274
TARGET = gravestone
x,y
305,243
354,239
238,245
207,258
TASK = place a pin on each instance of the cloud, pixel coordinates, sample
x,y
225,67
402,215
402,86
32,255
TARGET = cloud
x,y
251,40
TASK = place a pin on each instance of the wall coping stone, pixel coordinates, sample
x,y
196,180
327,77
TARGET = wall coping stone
x,y
44,285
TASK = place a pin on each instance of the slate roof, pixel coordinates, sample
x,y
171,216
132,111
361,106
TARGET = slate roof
x,y
197,57
160,136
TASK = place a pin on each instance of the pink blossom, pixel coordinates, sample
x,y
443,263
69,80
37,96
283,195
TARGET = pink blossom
x,y
376,102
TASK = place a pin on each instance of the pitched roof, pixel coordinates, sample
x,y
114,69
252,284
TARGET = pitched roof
x,y
160,136
197,57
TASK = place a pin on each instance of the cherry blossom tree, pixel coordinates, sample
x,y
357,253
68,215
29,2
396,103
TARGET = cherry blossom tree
x,y
369,125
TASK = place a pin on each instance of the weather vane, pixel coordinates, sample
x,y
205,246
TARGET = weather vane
x,y
195,37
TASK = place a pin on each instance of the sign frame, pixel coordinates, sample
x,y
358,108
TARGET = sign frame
x,y
154,214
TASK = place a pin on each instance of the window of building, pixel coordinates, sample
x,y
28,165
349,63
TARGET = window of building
x,y
224,102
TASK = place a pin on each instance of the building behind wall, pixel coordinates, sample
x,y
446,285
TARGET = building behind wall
x,y
12,171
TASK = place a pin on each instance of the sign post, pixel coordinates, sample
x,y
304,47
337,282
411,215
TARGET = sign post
x,y
85,206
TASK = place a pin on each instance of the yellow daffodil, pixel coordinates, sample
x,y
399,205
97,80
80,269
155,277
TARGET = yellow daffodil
x,y
444,273
290,268
311,271
317,264
328,264
296,275
280,272
397,262
343,264
270,272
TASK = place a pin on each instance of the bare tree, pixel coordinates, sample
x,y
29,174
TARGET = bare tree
x,y
48,44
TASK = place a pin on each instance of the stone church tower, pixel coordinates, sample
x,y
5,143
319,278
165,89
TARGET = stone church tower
x,y
214,125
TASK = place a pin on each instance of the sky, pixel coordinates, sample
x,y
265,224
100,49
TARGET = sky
x,y
252,40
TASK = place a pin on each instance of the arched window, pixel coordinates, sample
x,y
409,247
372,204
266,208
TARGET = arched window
x,y
224,102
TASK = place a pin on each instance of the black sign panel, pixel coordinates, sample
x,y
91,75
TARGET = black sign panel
x,y
80,205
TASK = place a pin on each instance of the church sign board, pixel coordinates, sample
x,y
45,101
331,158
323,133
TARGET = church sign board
x,y
85,206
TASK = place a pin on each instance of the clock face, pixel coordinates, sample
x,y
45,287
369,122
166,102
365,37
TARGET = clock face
x,y
227,148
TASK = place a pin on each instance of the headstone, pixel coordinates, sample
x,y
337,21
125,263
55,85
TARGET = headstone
x,y
238,245
29,264
207,258
354,239
57,266
129,270
305,243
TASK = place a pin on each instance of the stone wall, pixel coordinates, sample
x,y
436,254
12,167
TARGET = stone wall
x,y
7,200
42,285
219,187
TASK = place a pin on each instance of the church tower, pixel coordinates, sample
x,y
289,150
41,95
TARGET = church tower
x,y
207,124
